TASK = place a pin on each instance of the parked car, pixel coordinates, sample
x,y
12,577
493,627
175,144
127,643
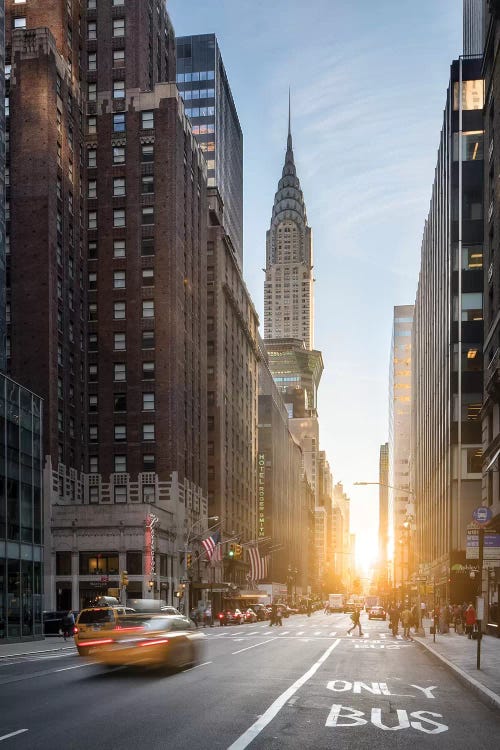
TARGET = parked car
x,y
250,615
377,613
261,611
231,617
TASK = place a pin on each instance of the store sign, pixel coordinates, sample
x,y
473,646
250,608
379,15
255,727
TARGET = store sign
x,y
491,546
149,544
261,481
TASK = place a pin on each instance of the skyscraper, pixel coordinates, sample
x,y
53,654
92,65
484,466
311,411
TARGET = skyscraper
x,y
447,343
2,189
399,437
202,80
383,515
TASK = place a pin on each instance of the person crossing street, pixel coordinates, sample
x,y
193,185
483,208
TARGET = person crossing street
x,y
356,622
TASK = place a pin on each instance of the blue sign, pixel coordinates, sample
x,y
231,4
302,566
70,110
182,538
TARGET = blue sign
x,y
482,515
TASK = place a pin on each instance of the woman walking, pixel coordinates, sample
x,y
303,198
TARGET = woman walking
x,y
470,620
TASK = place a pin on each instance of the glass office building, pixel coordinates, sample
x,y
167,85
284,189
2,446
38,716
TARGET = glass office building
x,y
202,81
21,513
2,187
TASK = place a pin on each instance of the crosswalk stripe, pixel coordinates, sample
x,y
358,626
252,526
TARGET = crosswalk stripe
x,y
334,632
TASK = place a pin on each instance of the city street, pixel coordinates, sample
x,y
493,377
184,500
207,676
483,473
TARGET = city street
x,y
305,684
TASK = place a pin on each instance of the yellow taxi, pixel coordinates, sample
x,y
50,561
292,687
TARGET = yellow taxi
x,y
96,627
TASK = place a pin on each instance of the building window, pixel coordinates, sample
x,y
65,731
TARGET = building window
x,y
120,493
120,372
148,215
118,27
134,563
118,155
92,157
91,30
92,403
119,123
118,89
92,92
92,281
119,217
91,4
148,308
120,402
19,23
119,342
148,432
118,58
91,125
93,494
92,223
119,249
92,189
147,120
120,432
148,276
92,342
472,306
147,153
148,462
93,464
148,339
148,184
148,401
92,61
147,246
121,2
93,373
93,433
120,464
148,493
118,187
119,310
148,370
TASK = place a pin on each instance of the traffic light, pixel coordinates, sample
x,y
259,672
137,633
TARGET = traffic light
x,y
124,578
232,551
238,551
189,559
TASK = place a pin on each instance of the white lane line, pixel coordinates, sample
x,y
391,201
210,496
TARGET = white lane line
x,y
261,723
254,646
254,632
318,632
197,666
285,632
301,633
78,666
13,734
45,673
334,632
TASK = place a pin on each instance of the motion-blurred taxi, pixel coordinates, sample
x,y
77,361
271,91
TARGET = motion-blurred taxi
x,y
170,641
95,627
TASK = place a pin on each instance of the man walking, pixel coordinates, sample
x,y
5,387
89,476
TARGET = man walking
x,y
355,622
406,620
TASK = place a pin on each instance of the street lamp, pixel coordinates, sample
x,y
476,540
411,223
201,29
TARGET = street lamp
x,y
189,537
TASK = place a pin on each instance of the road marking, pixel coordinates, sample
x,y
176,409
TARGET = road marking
x,y
45,673
301,633
13,734
334,632
254,646
318,632
261,723
197,666
285,632
66,669
254,632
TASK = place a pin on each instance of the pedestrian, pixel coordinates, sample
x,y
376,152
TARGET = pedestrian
x,y
68,624
423,609
279,615
356,622
414,617
274,612
394,619
470,620
309,607
406,620
327,608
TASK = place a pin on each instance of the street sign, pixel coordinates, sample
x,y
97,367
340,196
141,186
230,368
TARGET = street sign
x,y
482,515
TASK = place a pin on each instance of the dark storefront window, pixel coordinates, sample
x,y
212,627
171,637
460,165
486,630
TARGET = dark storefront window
x,y
63,563
134,563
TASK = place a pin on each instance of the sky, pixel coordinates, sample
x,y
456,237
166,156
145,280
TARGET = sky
x,y
368,82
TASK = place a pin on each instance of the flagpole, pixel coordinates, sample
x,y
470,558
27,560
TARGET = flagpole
x,y
189,538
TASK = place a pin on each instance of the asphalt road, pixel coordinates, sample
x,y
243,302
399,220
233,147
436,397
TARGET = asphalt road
x,y
304,685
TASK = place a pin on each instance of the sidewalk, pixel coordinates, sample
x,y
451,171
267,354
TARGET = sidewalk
x,y
459,654
47,645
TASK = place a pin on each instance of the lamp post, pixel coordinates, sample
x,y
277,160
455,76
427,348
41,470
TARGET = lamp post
x,y
189,538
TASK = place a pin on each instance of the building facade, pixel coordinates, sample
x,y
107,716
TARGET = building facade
x,y
399,438
233,365
21,512
491,270
203,83
45,171
2,190
383,574
447,344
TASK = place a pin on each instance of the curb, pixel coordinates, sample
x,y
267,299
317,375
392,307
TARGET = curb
x,y
33,653
484,693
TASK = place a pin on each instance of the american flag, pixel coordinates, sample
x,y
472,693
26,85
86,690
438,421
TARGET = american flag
x,y
210,545
259,565
217,554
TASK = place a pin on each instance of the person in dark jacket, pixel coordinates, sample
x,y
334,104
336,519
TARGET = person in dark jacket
x,y
356,622
68,624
